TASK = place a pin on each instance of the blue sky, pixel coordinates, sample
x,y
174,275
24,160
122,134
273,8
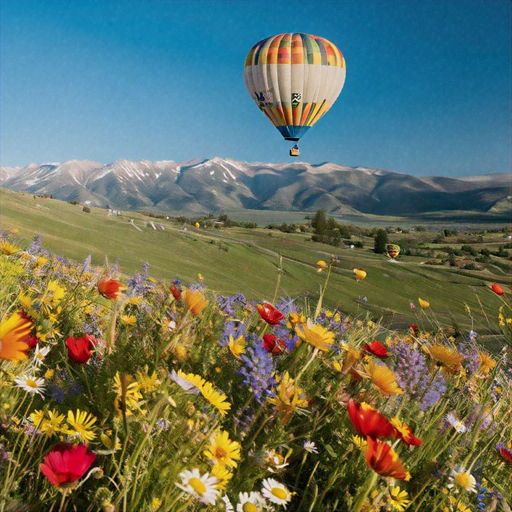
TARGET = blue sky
x,y
428,87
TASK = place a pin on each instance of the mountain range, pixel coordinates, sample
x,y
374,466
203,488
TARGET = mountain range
x,y
222,184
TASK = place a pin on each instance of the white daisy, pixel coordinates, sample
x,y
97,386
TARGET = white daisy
x,y
250,502
204,487
463,479
310,447
31,384
275,492
227,504
40,354
457,424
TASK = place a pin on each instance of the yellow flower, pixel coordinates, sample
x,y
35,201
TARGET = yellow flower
x,y
237,346
449,360
383,379
360,442
25,301
148,383
316,335
222,474
13,332
215,398
128,393
82,425
222,450
288,397
321,265
398,499
487,363
7,248
135,301
129,319
156,503
195,302
423,303
53,424
37,417
41,261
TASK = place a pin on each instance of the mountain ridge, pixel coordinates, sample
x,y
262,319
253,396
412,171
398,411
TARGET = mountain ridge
x,y
224,184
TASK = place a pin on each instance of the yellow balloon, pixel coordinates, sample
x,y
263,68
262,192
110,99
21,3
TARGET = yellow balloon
x,y
197,224
423,303
360,274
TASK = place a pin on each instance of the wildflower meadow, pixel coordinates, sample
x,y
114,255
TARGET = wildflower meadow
x,y
127,393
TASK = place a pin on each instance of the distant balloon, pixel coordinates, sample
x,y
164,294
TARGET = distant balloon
x,y
294,79
197,225
360,274
393,250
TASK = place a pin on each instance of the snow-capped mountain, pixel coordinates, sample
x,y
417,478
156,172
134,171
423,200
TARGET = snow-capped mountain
x,y
223,184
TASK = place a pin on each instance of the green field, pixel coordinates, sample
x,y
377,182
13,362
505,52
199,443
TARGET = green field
x,y
237,260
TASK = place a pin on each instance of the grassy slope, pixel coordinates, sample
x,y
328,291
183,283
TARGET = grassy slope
x,y
250,265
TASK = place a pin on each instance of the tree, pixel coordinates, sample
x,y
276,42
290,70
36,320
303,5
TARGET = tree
x,y
319,223
381,239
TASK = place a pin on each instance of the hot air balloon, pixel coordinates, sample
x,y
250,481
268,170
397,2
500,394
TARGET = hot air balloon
x,y
294,79
393,251
197,225
360,274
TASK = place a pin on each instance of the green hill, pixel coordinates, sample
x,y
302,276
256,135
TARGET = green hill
x,y
237,260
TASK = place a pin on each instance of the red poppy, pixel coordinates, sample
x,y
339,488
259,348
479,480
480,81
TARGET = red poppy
x,y
79,349
32,341
497,289
368,421
384,460
377,349
273,344
506,454
110,288
176,292
66,463
269,313
414,329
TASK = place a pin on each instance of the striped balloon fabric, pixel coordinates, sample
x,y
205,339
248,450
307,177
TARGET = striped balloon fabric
x,y
294,79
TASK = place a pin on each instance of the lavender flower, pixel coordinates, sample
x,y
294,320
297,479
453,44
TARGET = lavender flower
x,y
413,376
232,328
229,304
257,370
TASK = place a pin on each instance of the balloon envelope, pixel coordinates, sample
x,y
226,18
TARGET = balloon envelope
x,y
294,79
360,274
393,250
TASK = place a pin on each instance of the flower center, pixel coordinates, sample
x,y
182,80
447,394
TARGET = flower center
x,y
249,507
463,480
197,485
220,454
279,493
31,383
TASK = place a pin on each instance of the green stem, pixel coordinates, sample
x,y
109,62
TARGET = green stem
x,y
279,274
363,493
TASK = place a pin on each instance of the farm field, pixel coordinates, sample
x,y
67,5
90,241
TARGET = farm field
x,y
238,260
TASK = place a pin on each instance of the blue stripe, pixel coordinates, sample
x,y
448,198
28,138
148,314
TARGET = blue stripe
x,y
293,132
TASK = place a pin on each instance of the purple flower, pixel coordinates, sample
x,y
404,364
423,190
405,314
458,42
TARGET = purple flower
x,y
413,376
257,368
232,328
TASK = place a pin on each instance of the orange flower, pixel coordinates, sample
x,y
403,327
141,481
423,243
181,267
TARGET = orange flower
x,y
14,332
487,363
449,360
383,379
404,432
384,460
110,288
195,302
368,421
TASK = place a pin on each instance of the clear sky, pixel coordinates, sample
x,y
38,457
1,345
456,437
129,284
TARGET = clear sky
x,y
428,87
